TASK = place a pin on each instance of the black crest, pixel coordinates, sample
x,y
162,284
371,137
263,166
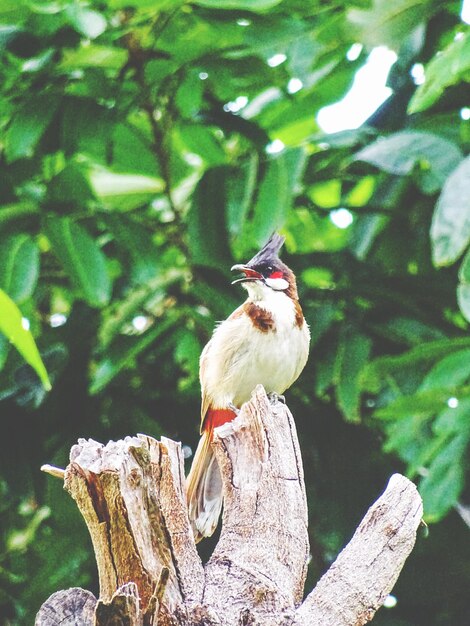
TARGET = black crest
x,y
269,252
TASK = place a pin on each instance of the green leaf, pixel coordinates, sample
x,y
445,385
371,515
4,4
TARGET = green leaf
x,y
19,266
123,351
388,23
308,232
124,191
377,371
450,229
11,325
163,5
207,233
71,187
444,481
189,95
423,404
446,68
240,189
270,210
81,258
463,299
89,23
201,140
29,125
108,57
326,194
256,6
453,419
353,354
399,153
137,241
450,372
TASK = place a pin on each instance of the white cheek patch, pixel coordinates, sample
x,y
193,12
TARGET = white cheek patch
x,y
278,284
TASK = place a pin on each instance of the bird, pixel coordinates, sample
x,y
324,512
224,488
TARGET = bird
x,y
264,341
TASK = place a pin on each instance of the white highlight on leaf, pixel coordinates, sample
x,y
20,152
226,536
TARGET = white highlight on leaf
x,y
203,75
294,85
417,74
140,322
354,51
236,105
342,218
57,319
452,403
465,13
367,93
25,323
276,60
465,113
242,21
275,147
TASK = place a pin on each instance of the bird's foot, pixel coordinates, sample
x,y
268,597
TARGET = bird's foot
x,y
276,397
233,408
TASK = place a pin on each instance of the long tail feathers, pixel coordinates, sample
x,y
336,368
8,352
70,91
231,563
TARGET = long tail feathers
x,y
204,489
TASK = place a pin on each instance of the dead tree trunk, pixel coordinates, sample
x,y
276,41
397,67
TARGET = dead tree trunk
x,y
131,494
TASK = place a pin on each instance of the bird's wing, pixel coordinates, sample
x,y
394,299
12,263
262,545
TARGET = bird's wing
x,y
205,399
217,344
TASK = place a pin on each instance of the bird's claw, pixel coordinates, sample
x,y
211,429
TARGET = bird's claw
x,y
276,397
233,408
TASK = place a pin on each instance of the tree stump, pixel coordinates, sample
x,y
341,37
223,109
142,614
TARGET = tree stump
x,y
131,494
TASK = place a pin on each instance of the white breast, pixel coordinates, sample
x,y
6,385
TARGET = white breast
x,y
239,356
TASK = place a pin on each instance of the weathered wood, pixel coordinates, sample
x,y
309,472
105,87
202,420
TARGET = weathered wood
x,y
263,549
131,494
66,608
365,572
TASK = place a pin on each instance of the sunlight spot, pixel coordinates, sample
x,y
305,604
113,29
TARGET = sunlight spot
x,y
276,60
242,21
342,218
25,323
236,105
294,85
57,319
465,113
390,601
465,14
367,93
275,147
354,51
417,73
203,75
452,403
187,451
193,159
140,322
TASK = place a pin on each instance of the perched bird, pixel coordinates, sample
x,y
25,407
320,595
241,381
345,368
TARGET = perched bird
x,y
264,341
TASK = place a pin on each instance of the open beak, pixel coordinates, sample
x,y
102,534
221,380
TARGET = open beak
x,y
249,274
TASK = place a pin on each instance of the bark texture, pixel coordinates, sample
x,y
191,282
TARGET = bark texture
x,y
131,494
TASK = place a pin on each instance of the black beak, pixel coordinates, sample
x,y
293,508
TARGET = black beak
x,y
249,274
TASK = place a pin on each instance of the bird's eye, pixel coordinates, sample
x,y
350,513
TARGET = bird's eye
x,y
269,269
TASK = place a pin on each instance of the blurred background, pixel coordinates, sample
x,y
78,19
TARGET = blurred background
x,y
145,147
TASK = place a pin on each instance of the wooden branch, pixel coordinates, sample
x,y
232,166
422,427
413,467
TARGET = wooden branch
x,y
263,549
131,494
70,606
365,572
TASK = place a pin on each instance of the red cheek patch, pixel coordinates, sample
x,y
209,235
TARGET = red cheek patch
x,y
276,275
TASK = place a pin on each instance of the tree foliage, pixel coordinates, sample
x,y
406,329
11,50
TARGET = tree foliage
x,y
145,147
